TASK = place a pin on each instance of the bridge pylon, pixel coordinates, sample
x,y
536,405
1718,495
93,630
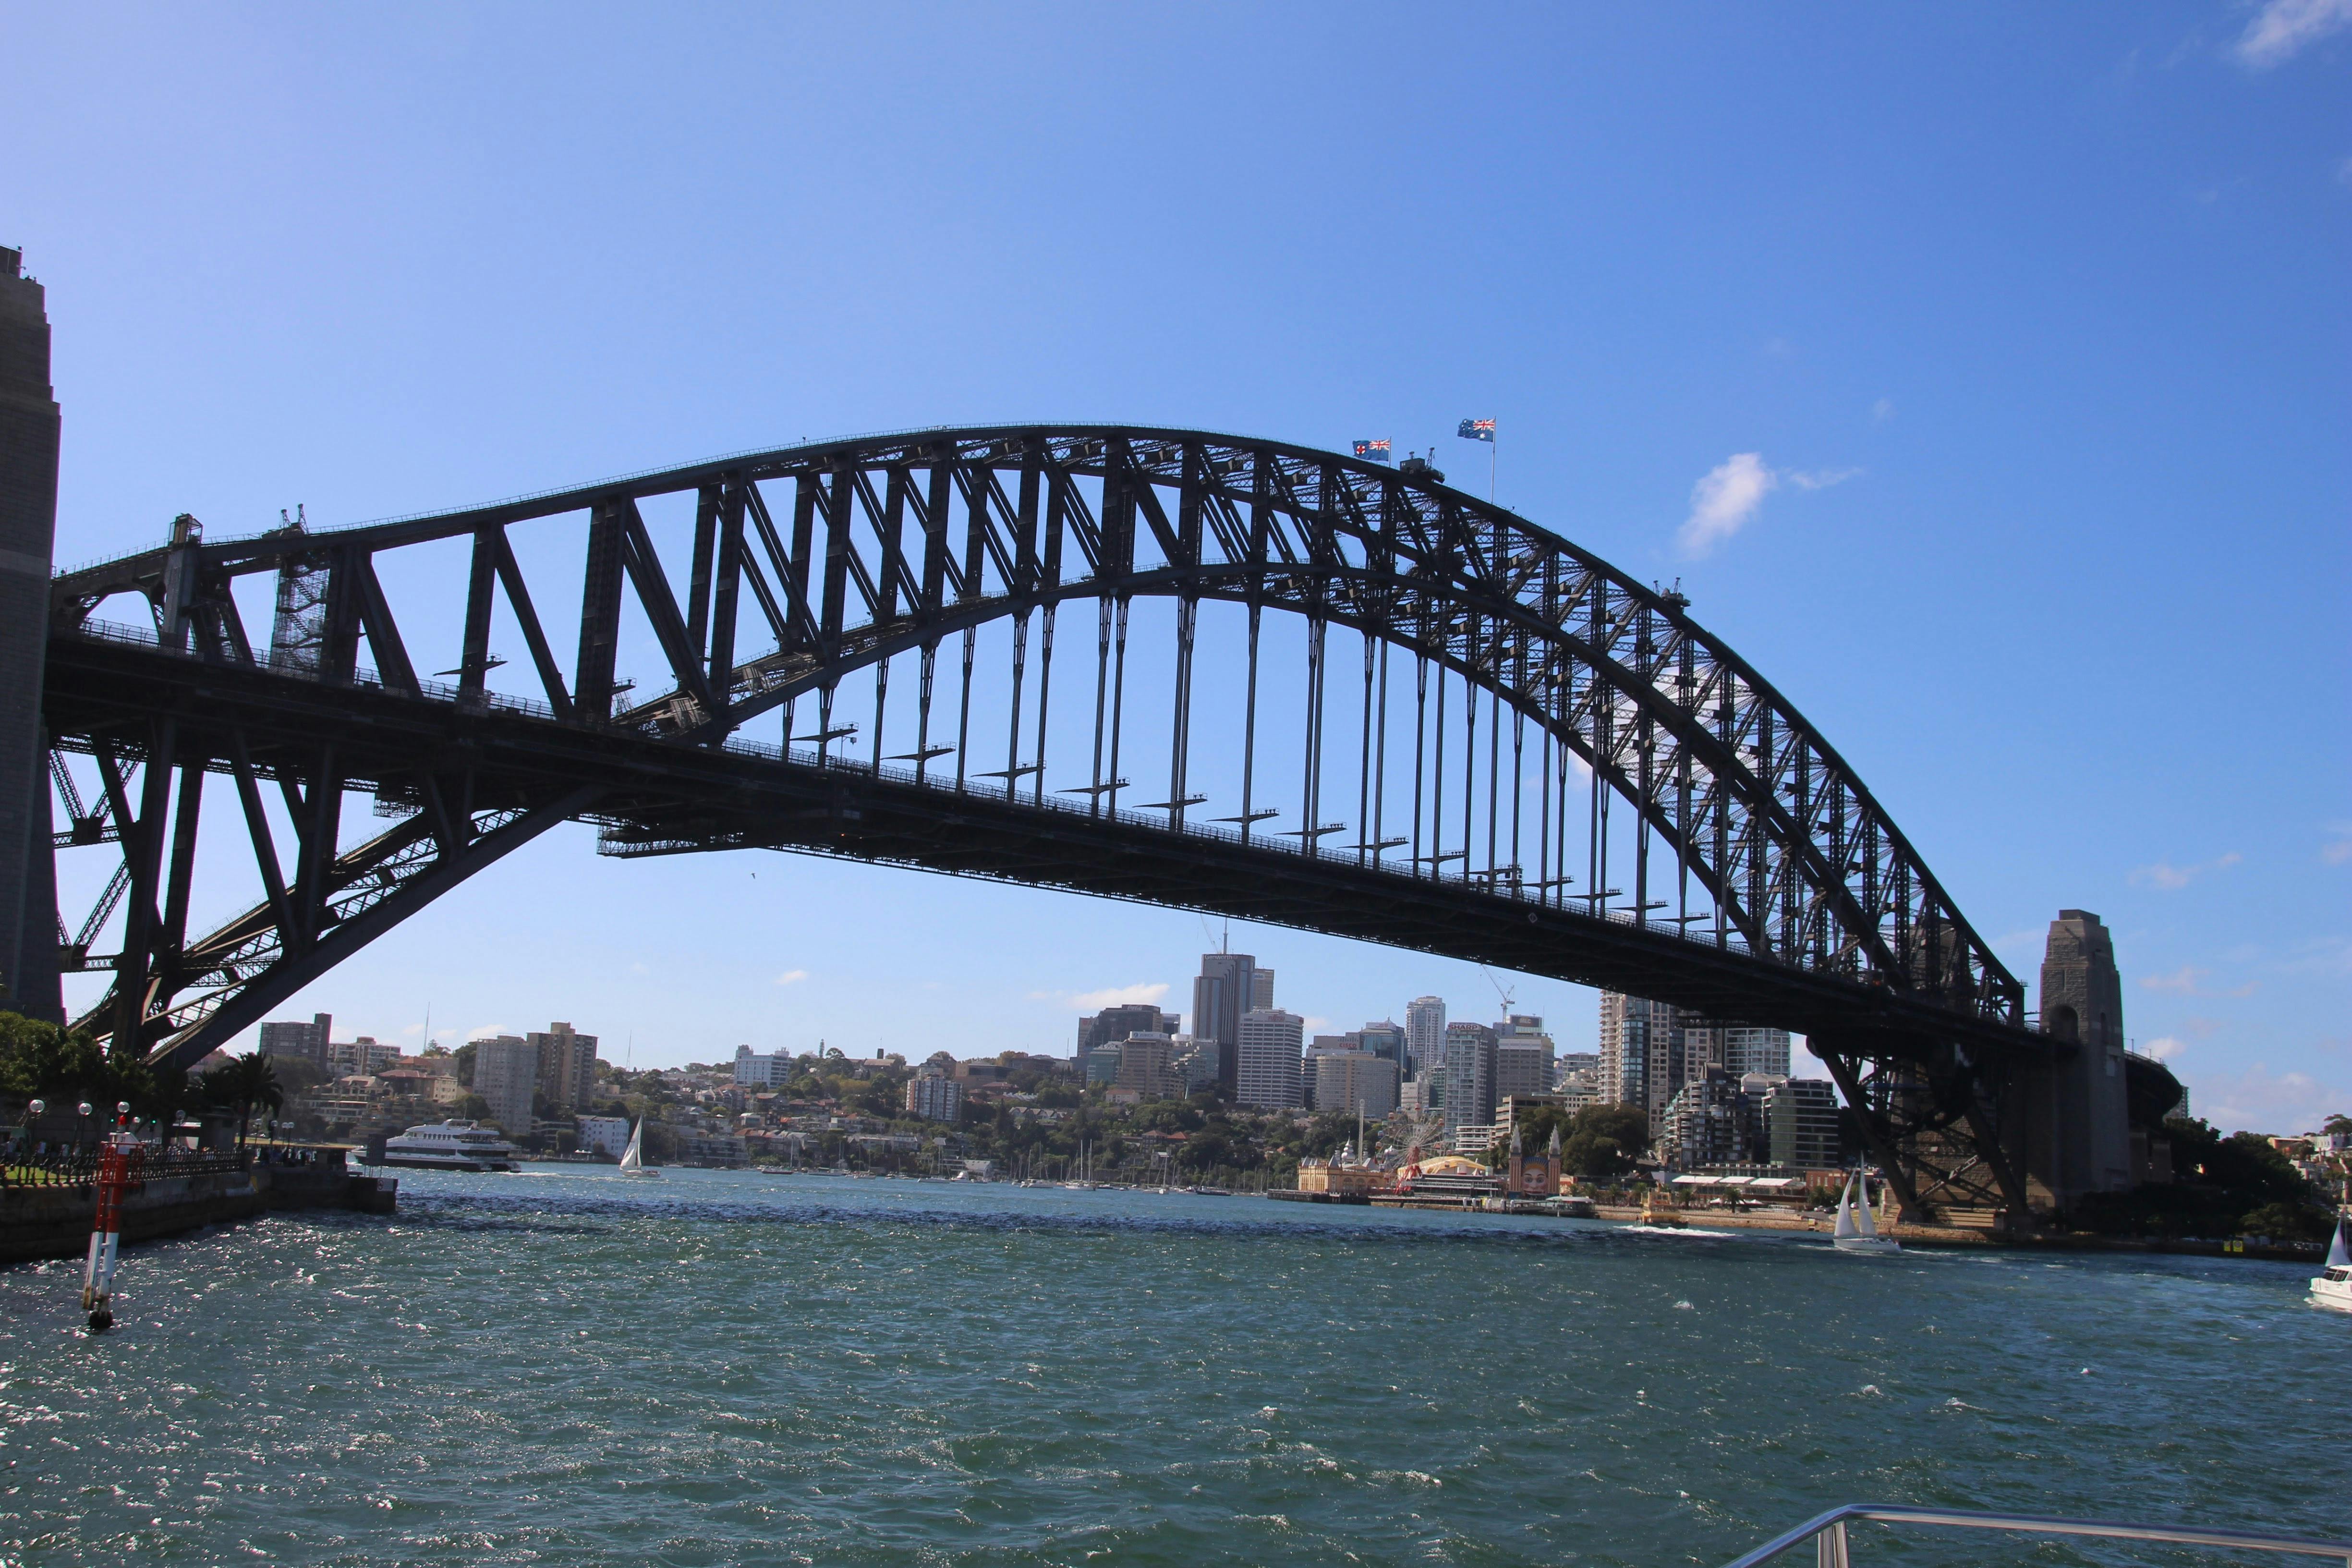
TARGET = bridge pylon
x,y
29,426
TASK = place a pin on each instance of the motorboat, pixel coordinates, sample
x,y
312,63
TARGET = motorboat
x,y
450,1146
1856,1230
2332,1286
632,1158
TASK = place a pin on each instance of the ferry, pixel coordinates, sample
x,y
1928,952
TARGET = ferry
x,y
450,1146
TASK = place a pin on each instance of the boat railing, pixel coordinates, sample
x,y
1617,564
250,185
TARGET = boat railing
x,y
1831,1549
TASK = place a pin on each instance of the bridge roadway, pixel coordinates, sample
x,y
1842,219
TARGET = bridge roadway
x,y
654,796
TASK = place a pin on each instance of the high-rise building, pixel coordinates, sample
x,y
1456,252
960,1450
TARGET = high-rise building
x,y
1355,1083
602,1135
754,1071
1522,1057
934,1096
366,1055
1801,1120
1386,1039
506,1075
1424,1032
1224,992
1266,1063
1645,1055
1261,990
1113,1024
1738,1048
1469,1056
307,1041
1197,1062
1101,1066
1711,1121
567,1066
1146,1063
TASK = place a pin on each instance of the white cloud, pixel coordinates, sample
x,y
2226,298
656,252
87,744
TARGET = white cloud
x,y
1722,501
1882,410
792,978
1726,498
2338,850
2259,1100
1820,479
2164,1047
2283,26
2168,877
2181,980
1108,997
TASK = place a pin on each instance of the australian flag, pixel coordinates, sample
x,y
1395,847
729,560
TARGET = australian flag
x,y
1476,430
1378,451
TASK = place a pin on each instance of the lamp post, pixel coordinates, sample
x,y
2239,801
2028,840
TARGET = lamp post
x,y
84,1139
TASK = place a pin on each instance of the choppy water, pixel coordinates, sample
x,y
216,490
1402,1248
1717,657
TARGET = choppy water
x,y
568,1367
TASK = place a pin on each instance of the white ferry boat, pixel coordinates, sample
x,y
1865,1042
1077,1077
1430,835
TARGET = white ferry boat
x,y
450,1146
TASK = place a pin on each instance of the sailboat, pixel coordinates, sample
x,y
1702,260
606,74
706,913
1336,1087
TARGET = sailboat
x,y
2333,1284
1857,1231
632,1158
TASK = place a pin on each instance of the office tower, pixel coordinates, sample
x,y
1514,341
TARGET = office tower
x,y
1424,1031
307,1041
1801,1119
1355,1081
567,1066
506,1075
1220,997
1522,1057
1113,1024
1197,1062
1266,1063
1261,989
1469,1055
1386,1039
1101,1066
1146,1063
28,514
1575,1066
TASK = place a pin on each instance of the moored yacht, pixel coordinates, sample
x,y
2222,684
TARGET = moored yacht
x,y
450,1146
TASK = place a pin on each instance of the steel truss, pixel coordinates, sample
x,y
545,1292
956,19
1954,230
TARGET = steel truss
x,y
1795,898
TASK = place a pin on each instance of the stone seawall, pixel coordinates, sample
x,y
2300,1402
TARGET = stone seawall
x,y
54,1222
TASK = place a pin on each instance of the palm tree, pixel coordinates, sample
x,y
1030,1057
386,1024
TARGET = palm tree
x,y
252,1081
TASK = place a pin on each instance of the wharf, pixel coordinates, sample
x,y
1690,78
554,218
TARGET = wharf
x,y
51,1218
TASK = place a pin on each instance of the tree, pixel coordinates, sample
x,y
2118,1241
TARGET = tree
x,y
38,1058
245,1082
1604,1141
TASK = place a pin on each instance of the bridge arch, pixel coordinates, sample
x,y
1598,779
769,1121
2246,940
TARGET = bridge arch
x,y
795,573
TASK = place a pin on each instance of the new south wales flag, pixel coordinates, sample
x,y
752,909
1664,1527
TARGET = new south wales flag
x,y
1376,451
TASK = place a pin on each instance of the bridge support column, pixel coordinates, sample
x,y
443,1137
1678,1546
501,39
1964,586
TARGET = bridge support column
x,y
29,424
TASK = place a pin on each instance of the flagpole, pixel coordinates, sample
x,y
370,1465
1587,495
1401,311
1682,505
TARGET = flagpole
x,y
1491,446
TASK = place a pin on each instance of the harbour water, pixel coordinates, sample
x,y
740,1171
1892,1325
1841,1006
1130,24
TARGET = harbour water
x,y
565,1366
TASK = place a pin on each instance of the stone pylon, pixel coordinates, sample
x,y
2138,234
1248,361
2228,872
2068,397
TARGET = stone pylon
x,y
28,514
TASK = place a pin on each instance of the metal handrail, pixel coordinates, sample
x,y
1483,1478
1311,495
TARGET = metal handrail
x,y
1827,1532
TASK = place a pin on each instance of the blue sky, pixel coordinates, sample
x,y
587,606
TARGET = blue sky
x,y
1981,372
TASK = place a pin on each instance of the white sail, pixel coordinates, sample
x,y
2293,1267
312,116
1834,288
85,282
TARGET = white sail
x,y
632,1158
1869,1225
2338,1256
1845,1226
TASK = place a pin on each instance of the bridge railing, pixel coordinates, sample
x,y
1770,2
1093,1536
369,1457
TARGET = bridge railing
x,y
362,677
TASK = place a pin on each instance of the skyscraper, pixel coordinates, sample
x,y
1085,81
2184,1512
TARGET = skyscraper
x,y
1355,1083
1522,1057
1385,1039
1225,991
1469,1056
1261,989
1266,1063
1424,1031
1112,1024
1642,1059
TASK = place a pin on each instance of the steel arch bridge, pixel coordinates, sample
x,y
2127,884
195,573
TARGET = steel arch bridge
x,y
1636,808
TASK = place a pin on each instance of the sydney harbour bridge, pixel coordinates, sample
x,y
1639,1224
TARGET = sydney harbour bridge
x,y
1185,669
